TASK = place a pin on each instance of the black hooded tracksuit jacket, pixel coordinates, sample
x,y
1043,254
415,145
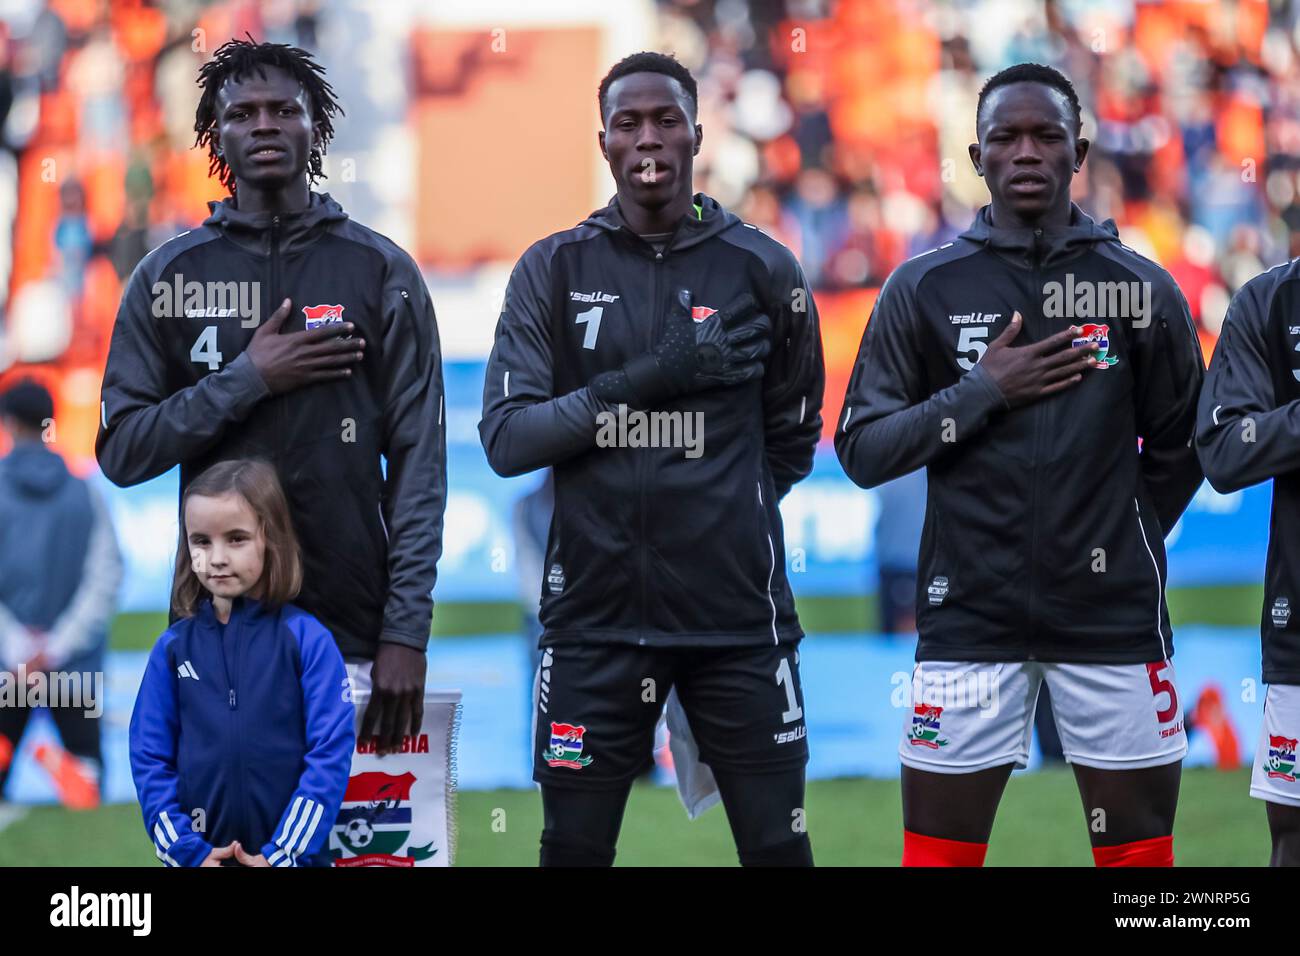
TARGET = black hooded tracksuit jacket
x,y
1248,430
178,388
647,546
1045,526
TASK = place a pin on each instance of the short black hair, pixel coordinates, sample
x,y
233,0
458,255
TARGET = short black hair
x,y
1033,73
649,62
237,59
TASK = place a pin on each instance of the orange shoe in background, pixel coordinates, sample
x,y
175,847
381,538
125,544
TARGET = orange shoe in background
x,y
1211,716
6,753
76,783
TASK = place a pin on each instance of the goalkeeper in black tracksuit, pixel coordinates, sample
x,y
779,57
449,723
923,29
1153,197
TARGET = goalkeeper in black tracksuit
x,y
665,565
1247,431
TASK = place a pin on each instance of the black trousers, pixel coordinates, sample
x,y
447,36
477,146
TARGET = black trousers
x,y
79,733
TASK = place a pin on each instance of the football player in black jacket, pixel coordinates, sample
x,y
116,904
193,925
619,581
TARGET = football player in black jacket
x,y
245,337
1248,430
1023,363
664,358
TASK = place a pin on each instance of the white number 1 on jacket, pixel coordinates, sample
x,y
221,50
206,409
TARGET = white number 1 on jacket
x,y
592,318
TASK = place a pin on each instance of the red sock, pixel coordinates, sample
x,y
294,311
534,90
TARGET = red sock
x,y
921,850
1157,851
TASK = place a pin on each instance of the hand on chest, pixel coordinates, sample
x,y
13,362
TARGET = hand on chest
x,y
961,327
601,327
206,322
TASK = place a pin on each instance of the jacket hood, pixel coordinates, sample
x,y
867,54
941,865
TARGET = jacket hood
x,y
1054,245
708,219
33,470
252,231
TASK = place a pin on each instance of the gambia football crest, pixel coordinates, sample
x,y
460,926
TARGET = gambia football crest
x,y
1281,758
374,823
925,727
566,747
1101,335
318,315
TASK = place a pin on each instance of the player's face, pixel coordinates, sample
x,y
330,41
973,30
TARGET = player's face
x,y
264,126
649,139
1028,153
227,547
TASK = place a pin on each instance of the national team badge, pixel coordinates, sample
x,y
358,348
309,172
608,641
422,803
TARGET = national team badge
x,y
1101,335
318,315
566,747
374,823
701,312
925,727
1281,758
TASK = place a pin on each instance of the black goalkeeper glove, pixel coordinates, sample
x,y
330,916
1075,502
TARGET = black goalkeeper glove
x,y
732,343
725,349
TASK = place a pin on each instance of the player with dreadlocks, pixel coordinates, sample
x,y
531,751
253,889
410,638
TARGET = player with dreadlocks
x,y
281,329
240,59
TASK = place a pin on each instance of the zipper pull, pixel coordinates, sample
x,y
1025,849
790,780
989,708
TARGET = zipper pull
x,y
232,698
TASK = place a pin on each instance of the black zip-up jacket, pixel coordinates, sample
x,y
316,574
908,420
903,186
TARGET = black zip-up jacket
x,y
1248,430
179,389
1044,529
649,546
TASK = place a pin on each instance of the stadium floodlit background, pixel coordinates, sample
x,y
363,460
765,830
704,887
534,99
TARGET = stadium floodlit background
x,y
839,128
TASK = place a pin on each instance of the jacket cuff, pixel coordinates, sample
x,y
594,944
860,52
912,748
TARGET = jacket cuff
x,y
413,641
996,400
248,380
190,850
269,851
648,382
600,403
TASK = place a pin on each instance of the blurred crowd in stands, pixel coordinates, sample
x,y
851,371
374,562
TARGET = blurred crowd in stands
x,y
840,127
97,102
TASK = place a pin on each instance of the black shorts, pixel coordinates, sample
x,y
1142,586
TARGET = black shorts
x,y
597,705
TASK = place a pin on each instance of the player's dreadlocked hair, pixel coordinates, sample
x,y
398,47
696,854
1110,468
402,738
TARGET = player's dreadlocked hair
x,y
237,59
1033,73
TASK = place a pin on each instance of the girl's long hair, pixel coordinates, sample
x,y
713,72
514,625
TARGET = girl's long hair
x,y
256,483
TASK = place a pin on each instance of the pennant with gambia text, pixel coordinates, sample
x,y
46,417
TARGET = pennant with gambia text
x,y
400,809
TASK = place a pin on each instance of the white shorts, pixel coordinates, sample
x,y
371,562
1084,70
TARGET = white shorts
x,y
1274,775
966,716
359,674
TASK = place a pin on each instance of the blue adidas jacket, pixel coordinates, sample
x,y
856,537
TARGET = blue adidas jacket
x,y
255,728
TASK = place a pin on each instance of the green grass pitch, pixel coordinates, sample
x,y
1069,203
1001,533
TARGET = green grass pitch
x,y
851,823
